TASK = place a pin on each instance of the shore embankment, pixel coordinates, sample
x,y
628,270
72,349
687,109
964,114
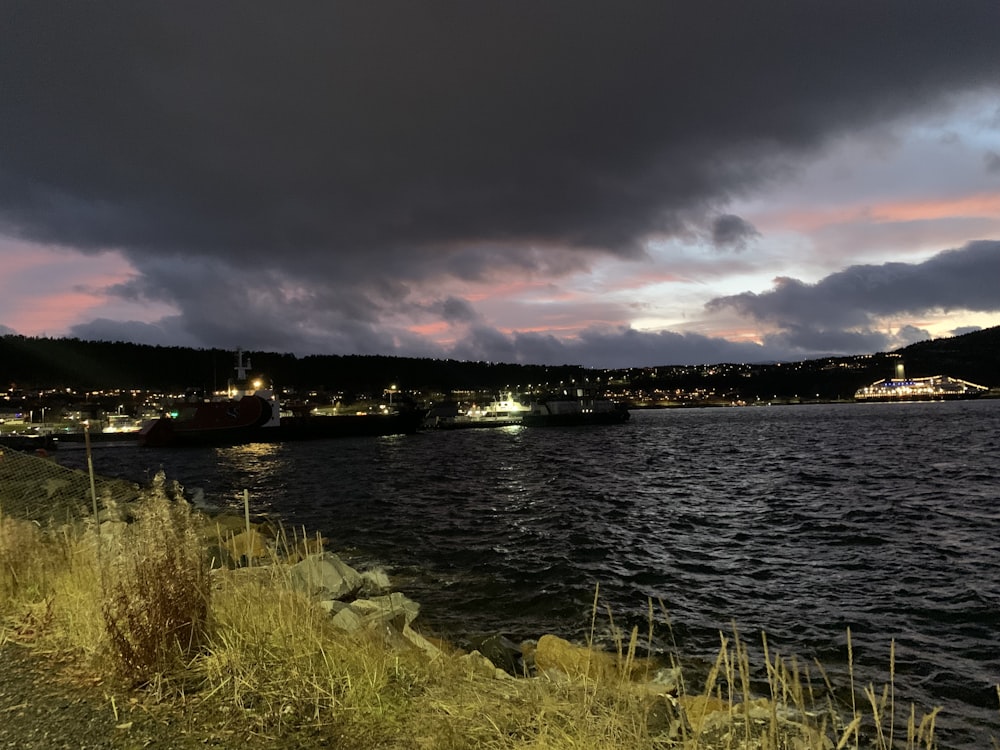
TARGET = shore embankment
x,y
182,628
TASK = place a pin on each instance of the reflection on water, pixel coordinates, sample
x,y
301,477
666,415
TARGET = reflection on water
x,y
801,521
255,451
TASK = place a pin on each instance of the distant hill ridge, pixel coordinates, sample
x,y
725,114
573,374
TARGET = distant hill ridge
x,y
971,356
35,363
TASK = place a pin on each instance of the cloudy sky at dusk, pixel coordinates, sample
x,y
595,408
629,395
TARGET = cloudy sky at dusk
x,y
600,183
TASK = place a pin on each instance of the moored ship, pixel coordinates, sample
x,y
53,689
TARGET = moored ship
x,y
933,388
504,411
579,407
251,413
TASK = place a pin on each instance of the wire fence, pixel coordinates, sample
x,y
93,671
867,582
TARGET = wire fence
x,y
36,488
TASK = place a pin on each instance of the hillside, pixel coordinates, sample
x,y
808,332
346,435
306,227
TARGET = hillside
x,y
37,363
972,356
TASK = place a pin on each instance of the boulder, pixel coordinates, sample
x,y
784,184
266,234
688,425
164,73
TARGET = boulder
x,y
325,576
415,639
345,617
704,711
304,547
554,653
247,546
226,524
501,652
479,665
394,610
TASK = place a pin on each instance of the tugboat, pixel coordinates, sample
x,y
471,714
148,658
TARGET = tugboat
x,y
251,413
505,411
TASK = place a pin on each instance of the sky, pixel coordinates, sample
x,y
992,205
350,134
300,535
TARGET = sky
x,y
598,183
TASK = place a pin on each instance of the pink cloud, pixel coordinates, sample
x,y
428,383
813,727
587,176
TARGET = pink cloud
x,y
985,205
46,290
430,330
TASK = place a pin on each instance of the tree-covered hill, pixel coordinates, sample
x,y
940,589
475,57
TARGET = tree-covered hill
x,y
972,356
36,363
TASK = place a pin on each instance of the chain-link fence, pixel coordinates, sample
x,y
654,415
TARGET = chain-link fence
x,y
36,488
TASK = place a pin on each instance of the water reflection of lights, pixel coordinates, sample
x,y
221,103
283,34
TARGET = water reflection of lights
x,y
254,450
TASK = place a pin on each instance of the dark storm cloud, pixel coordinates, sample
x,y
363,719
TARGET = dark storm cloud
x,y
992,159
964,329
456,310
799,341
288,133
163,333
962,279
294,170
614,349
731,232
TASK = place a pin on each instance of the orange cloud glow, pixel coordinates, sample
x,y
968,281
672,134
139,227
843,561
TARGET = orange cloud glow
x,y
981,205
969,206
429,330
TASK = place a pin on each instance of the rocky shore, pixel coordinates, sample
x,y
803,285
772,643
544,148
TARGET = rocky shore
x,y
267,594
363,601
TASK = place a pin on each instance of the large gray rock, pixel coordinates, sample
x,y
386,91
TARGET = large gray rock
x,y
347,619
326,576
500,651
393,612
414,638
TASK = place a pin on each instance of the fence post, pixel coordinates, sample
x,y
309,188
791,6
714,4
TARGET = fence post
x,y
90,470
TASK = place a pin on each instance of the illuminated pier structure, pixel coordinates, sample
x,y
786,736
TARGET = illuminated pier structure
x,y
934,388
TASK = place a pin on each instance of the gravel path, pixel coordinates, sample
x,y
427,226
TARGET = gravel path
x,y
45,703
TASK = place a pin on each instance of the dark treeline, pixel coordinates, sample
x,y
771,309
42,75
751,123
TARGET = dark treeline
x,y
973,356
36,363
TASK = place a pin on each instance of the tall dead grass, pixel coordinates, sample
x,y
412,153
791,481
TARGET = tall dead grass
x,y
155,592
30,560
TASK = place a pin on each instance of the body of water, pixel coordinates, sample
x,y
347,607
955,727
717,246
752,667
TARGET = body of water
x,y
800,521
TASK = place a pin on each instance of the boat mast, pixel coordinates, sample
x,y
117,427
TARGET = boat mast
x,y
241,369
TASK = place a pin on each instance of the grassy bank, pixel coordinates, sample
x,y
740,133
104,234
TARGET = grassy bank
x,y
141,610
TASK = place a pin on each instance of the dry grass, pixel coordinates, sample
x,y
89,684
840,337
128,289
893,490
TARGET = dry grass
x,y
27,560
155,592
138,601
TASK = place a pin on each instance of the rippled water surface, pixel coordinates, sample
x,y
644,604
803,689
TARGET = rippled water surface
x,y
798,521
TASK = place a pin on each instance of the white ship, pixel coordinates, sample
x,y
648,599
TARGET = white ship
x,y
933,388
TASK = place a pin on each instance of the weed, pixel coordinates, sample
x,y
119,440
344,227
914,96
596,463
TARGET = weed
x,y
155,592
